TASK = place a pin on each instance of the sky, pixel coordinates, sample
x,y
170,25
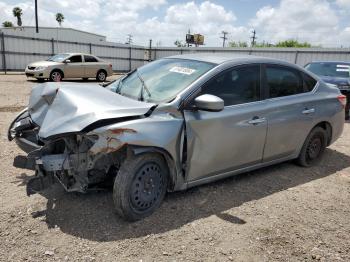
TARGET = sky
x,y
320,22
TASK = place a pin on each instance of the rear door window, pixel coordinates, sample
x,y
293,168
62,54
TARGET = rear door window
x,y
90,59
283,81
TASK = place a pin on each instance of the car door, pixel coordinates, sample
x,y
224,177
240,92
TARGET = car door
x,y
91,66
218,142
75,68
289,111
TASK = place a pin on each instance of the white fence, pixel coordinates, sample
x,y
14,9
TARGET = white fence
x,y
18,51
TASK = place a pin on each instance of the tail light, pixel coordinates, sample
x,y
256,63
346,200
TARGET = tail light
x,y
110,65
342,100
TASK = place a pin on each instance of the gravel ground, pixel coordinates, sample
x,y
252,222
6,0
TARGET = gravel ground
x,y
279,213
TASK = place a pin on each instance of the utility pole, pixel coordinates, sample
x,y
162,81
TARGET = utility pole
x,y
253,38
129,39
224,38
36,16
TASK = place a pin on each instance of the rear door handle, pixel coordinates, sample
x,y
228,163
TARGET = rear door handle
x,y
308,111
257,120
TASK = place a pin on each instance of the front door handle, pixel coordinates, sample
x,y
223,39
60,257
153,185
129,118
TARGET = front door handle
x,y
257,120
308,111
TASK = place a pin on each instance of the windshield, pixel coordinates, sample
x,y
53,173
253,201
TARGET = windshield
x,y
58,58
161,80
330,69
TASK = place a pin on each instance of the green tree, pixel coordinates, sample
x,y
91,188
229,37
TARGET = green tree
x,y
292,43
263,44
7,24
237,44
179,43
59,18
17,12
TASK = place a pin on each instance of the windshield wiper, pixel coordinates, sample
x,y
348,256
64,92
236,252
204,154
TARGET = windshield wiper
x,y
144,87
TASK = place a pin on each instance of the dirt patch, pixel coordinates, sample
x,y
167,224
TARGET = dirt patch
x,y
279,213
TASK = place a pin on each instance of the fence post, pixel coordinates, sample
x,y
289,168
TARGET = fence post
x,y
296,57
3,52
150,51
130,58
52,46
90,47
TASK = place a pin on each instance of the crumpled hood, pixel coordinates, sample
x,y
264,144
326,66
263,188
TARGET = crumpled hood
x,y
69,107
340,81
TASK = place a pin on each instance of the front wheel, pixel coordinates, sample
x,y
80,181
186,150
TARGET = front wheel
x,y
56,76
140,186
313,148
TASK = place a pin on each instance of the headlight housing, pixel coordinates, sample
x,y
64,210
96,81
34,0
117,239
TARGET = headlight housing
x,y
39,68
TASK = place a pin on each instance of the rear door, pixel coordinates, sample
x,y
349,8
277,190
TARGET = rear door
x,y
290,110
91,66
75,68
234,138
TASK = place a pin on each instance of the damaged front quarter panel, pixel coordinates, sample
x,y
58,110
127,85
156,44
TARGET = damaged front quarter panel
x,y
161,132
109,140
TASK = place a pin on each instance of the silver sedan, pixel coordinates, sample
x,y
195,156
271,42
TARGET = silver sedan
x,y
176,123
70,65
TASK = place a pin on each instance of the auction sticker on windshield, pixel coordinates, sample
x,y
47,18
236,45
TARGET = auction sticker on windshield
x,y
182,70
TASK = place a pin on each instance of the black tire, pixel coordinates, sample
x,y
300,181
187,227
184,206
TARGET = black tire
x,y
313,148
85,79
101,75
56,76
140,186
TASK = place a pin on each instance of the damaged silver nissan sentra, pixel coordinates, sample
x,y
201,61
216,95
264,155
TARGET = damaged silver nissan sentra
x,y
175,123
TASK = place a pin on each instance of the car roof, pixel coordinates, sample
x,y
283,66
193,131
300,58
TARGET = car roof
x,y
224,58
77,54
330,62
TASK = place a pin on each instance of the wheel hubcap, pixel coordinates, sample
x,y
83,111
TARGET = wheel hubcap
x,y
101,76
56,76
147,186
314,148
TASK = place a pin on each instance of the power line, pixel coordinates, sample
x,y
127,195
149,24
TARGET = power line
x,y
224,38
253,37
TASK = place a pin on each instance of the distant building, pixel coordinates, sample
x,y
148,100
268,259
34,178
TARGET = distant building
x,y
60,33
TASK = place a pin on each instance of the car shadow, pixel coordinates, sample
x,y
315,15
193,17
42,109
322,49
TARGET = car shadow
x,y
92,216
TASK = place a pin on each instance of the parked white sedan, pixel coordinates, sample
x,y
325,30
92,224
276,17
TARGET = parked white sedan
x,y
70,65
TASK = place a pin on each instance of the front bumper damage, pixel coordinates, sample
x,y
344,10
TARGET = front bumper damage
x,y
76,161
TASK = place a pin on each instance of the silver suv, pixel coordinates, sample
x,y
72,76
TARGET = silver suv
x,y
176,123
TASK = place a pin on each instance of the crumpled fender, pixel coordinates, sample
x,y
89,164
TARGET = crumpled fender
x,y
163,132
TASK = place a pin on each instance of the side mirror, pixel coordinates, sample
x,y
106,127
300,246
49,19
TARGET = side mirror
x,y
209,103
67,61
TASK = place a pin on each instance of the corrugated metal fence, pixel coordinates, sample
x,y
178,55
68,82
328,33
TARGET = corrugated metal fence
x,y
18,51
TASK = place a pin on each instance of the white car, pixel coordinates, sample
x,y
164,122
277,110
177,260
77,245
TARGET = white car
x,y
70,65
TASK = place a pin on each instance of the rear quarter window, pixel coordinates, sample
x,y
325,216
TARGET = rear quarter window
x,y
309,83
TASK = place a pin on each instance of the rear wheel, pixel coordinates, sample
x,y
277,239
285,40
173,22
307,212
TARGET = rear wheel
x,y
56,76
313,148
101,76
140,186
